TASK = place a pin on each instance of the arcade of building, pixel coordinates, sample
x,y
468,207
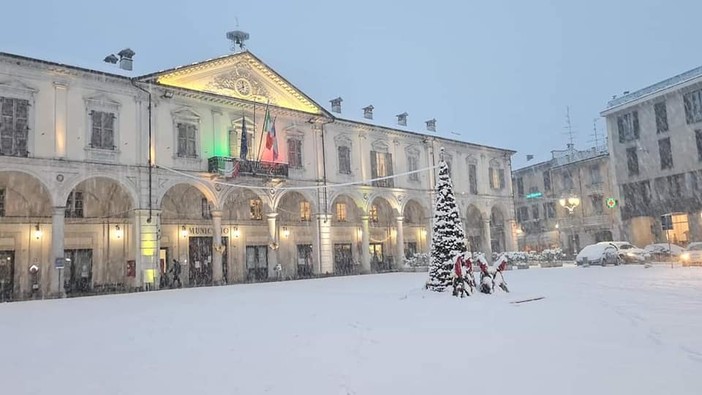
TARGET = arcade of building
x,y
76,189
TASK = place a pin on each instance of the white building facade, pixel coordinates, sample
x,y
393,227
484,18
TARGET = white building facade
x,y
538,189
655,141
76,188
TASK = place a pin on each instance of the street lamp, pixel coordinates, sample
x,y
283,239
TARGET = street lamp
x,y
570,203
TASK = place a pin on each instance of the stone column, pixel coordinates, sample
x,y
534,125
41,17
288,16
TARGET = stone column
x,y
272,253
400,243
487,240
217,243
322,256
511,243
57,236
365,246
147,247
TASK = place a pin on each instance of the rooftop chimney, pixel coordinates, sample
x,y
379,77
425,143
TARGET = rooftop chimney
x,y
125,59
368,112
431,125
402,119
336,105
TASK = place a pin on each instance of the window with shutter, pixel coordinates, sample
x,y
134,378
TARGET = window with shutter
x,y
294,153
187,140
473,178
14,129
344,154
103,130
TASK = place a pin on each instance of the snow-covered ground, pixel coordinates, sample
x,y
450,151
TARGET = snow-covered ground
x,y
613,330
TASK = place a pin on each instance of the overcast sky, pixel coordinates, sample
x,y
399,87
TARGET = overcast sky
x,y
496,72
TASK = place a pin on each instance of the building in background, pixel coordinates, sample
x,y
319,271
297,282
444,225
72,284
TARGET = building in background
x,y
562,202
655,141
249,173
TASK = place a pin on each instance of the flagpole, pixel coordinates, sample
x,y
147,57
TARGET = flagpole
x,y
260,144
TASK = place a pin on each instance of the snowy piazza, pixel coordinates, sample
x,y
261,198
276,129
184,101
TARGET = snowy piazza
x,y
351,198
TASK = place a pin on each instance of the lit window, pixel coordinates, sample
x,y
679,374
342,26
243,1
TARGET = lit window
x,y
373,214
74,205
341,212
305,211
256,207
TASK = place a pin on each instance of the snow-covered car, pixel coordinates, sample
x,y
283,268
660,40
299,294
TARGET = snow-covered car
x,y
692,255
629,252
664,251
598,254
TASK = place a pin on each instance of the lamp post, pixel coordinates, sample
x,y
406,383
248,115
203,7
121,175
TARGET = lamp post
x,y
570,203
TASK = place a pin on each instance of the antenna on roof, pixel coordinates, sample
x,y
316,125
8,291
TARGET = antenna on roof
x,y
569,127
595,134
237,37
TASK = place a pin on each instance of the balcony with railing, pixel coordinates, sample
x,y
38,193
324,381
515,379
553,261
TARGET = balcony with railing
x,y
227,166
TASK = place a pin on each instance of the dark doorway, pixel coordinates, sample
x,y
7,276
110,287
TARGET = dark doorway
x,y
256,263
604,235
200,255
343,259
79,271
7,275
378,263
225,259
304,260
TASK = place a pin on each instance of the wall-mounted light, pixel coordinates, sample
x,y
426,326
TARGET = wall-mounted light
x,y
359,232
167,94
236,232
37,232
286,232
118,232
183,232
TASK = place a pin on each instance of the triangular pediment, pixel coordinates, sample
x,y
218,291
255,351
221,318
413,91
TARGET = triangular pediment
x,y
241,76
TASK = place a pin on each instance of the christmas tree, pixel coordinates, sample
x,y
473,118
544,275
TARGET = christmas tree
x,y
448,239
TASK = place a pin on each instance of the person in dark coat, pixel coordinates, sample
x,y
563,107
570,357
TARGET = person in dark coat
x,y
175,271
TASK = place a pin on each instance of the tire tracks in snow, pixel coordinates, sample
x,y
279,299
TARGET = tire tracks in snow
x,y
638,321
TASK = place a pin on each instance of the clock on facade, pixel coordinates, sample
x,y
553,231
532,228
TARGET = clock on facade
x,y
243,87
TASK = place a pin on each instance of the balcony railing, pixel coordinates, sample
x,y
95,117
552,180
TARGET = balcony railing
x,y
231,167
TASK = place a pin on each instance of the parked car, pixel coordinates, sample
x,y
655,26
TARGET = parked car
x,y
599,254
664,251
629,252
692,255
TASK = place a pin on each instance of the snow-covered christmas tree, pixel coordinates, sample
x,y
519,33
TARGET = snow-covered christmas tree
x,y
448,239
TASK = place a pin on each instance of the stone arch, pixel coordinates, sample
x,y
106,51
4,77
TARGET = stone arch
x,y
202,187
474,225
125,187
386,213
289,207
388,197
353,210
13,184
101,197
414,213
236,205
185,201
306,194
353,196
